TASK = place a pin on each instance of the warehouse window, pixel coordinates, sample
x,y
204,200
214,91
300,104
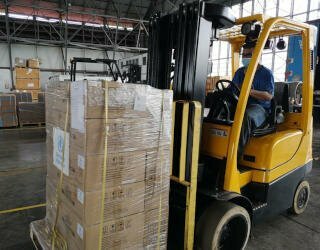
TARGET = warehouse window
x,y
144,60
275,60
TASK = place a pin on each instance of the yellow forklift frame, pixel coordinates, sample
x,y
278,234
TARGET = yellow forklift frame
x,y
272,27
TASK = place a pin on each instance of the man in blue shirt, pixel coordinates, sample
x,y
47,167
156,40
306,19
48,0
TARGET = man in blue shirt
x,y
259,102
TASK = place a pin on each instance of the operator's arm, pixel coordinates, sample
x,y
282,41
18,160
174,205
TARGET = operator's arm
x,y
261,95
265,91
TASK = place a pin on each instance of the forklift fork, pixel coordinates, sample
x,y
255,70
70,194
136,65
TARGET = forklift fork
x,y
185,173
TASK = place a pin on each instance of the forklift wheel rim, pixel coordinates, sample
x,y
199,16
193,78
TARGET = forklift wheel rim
x,y
234,224
241,220
301,197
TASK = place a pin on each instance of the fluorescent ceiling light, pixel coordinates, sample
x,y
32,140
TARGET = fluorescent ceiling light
x,y
115,27
93,25
72,22
111,26
51,20
19,16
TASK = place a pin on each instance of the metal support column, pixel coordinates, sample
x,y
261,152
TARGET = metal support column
x,y
9,41
66,38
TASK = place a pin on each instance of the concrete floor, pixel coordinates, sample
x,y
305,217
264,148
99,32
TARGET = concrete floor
x,y
22,183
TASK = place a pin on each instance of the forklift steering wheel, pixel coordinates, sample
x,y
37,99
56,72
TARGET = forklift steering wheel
x,y
231,85
223,102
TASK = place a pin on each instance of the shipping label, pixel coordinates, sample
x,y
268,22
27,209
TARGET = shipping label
x,y
60,160
78,94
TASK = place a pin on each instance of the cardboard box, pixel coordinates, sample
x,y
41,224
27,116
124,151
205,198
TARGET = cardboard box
x,y
157,192
7,103
120,201
27,73
23,96
34,94
85,171
212,81
42,230
8,113
153,221
59,121
20,62
29,92
56,103
8,120
123,135
125,100
27,83
41,97
33,63
121,233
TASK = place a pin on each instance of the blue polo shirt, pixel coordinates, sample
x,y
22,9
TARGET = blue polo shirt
x,y
263,80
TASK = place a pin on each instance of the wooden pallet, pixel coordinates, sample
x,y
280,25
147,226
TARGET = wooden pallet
x,y
40,124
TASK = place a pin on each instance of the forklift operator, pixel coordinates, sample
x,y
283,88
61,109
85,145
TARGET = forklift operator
x,y
259,102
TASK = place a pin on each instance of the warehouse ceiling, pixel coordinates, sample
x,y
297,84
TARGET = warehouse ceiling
x,y
93,24
138,9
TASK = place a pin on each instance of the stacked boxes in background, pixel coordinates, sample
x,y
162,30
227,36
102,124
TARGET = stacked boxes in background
x,y
27,76
212,81
30,112
135,211
23,96
8,113
41,97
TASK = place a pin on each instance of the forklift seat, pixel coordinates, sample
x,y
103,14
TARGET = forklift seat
x,y
270,125
279,106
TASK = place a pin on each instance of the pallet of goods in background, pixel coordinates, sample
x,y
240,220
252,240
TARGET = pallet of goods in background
x,y
30,112
27,76
129,207
212,82
8,111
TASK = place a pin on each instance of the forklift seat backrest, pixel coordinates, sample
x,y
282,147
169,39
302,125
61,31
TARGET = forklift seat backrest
x,y
283,92
281,95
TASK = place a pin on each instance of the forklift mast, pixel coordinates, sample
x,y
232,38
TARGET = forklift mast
x,y
178,56
182,40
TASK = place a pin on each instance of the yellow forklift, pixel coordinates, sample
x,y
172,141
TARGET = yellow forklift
x,y
215,198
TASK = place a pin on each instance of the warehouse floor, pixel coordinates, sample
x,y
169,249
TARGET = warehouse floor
x,y
22,183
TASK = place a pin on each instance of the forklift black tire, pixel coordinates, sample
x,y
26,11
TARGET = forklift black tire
x,y
223,225
301,198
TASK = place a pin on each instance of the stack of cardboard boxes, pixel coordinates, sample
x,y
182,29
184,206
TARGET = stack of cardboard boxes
x,y
212,81
138,138
31,113
8,114
28,111
28,76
